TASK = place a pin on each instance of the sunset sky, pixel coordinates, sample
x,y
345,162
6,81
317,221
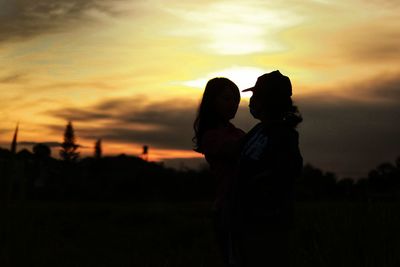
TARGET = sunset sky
x,y
133,72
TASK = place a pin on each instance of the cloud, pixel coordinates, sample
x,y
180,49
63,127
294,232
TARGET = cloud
x,y
377,42
13,78
30,143
21,19
383,87
352,135
161,124
72,114
252,30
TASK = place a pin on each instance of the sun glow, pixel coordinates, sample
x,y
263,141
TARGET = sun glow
x,y
243,77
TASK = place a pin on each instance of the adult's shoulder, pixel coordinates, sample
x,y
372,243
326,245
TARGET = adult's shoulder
x,y
235,129
284,133
256,128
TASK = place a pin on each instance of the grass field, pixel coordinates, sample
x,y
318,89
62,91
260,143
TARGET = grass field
x,y
181,234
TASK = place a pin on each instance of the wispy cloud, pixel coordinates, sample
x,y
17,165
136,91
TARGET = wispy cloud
x,y
373,41
162,124
13,78
21,19
30,143
233,27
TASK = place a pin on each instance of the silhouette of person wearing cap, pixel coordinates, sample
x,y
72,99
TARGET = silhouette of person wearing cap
x,y
270,160
218,139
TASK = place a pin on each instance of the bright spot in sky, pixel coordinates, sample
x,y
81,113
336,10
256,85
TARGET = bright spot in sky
x,y
235,27
243,77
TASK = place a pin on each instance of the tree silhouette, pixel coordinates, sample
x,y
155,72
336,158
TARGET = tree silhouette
x,y
98,149
69,147
42,151
14,141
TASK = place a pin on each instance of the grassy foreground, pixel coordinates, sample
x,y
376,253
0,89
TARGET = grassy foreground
x,y
181,234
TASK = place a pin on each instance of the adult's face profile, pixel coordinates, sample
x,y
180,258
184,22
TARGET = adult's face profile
x,y
226,104
256,105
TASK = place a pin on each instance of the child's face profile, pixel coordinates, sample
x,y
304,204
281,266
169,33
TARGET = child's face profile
x,y
226,104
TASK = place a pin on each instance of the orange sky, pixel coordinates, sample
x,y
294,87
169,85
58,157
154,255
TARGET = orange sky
x,y
123,64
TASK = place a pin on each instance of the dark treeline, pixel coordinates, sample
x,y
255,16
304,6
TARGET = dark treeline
x,y
381,184
38,176
30,176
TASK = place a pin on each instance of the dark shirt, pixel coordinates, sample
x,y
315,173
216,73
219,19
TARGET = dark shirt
x,y
219,149
270,161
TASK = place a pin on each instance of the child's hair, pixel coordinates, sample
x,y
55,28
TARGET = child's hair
x,y
206,118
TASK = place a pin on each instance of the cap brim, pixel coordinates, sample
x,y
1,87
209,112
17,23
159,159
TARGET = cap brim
x,y
248,89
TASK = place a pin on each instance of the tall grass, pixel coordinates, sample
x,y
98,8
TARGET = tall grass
x,y
181,234
347,234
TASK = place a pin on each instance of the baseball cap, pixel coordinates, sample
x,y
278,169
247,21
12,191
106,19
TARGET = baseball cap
x,y
273,84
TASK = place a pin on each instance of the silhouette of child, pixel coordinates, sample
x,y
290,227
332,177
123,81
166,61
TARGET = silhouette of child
x,y
219,140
